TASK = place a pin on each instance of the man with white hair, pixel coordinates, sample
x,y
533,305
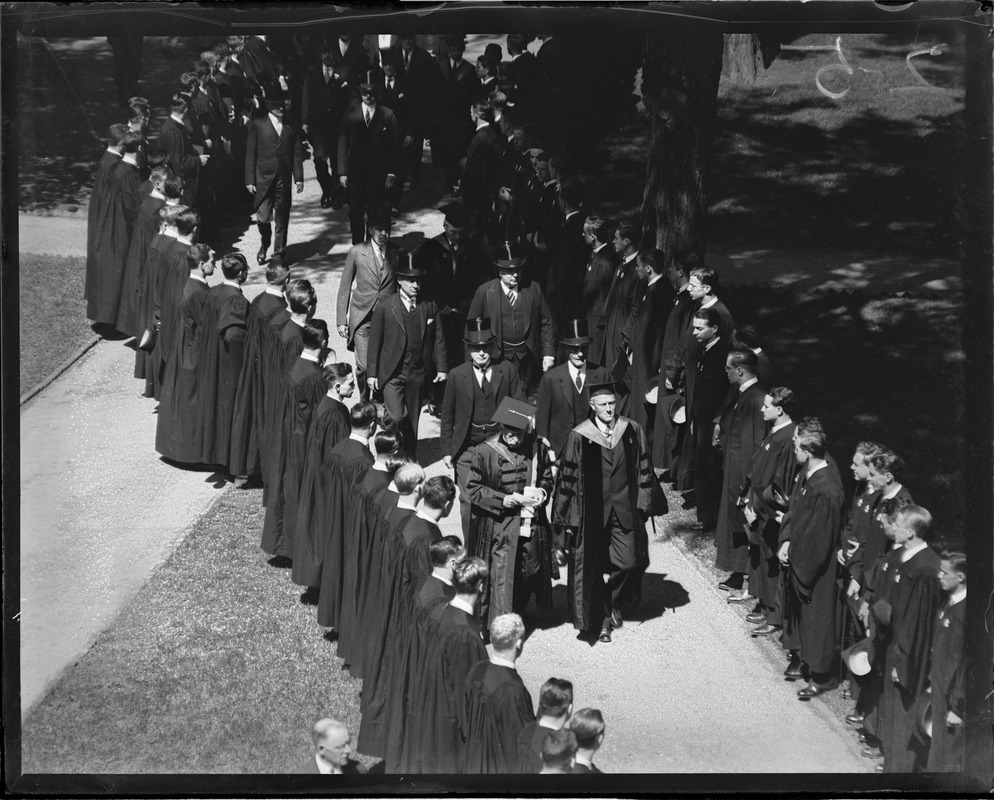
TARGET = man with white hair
x,y
332,748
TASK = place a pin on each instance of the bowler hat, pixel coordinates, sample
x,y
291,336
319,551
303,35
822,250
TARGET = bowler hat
x,y
576,332
478,331
407,266
515,414
859,657
677,410
508,255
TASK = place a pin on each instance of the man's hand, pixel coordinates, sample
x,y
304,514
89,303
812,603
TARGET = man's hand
x,y
441,376
716,436
893,676
305,128
669,384
510,501
783,553
505,194
408,140
864,614
373,384
251,188
391,180
548,362
300,186
749,514
447,461
778,516
343,331
204,159
344,180
953,719
853,589
840,557
209,143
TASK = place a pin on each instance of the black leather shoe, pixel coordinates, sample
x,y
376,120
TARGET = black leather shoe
x,y
560,557
871,752
813,690
739,598
793,671
855,719
756,618
605,635
616,619
261,255
878,768
765,630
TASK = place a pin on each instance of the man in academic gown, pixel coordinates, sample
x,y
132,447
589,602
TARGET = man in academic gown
x,y
404,713
912,599
273,159
368,150
222,353
509,483
567,253
105,301
406,350
175,139
947,676
809,537
496,705
304,386
771,473
247,436
473,391
145,228
345,462
362,546
598,277
741,431
605,494
519,317
385,707
100,202
555,705
330,425
453,645
179,426
620,300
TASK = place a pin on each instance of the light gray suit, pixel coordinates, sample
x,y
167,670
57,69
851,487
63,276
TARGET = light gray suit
x,y
355,306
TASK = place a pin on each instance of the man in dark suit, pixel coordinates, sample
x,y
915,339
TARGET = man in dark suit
x,y
569,253
419,73
481,178
457,89
332,749
519,316
350,59
405,350
588,726
521,70
564,391
370,265
619,304
394,95
597,234
323,103
273,158
472,393
367,155
175,139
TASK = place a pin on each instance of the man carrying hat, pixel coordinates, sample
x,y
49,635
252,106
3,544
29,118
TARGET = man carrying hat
x,y
473,392
405,350
368,149
605,493
273,156
519,316
510,480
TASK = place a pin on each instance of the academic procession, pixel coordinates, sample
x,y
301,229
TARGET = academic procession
x,y
579,376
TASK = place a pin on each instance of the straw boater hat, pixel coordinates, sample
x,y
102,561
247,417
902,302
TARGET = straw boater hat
x,y
478,331
576,332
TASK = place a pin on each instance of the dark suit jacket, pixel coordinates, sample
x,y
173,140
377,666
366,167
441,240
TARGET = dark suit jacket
x,y
368,154
481,179
268,154
401,101
420,72
568,264
352,65
388,339
457,402
323,104
596,284
541,336
560,408
472,271
457,91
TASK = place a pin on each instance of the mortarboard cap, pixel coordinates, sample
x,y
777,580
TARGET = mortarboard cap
x,y
515,414
603,387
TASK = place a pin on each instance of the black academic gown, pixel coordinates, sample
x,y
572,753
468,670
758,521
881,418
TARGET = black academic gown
x,y
329,426
668,436
644,336
947,678
362,548
113,239
222,352
101,201
173,273
496,707
149,363
246,421
742,432
179,427
283,345
304,387
145,228
813,525
530,748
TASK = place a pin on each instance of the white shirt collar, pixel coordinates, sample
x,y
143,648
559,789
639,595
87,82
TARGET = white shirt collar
x,y
779,425
157,194
183,239
585,761
379,466
277,123
198,277
747,384
422,515
479,375
436,574
911,550
711,344
573,371
630,259
707,303
112,150
501,662
236,284
130,158
820,466
357,438
891,491
297,322
571,213
459,603
481,123
325,768
402,503
653,280
600,247
275,292
309,357
178,119
958,595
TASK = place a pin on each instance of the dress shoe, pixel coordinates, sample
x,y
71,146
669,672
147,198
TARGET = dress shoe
x,y
740,598
793,671
616,620
756,618
765,630
871,752
814,689
325,201
605,634
261,255
878,768
732,583
855,719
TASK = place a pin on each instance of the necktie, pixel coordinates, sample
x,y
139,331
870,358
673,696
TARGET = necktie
x,y
390,83
579,381
485,385
327,74
407,59
510,297
367,114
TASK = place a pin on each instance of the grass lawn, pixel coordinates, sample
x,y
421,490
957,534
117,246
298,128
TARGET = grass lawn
x,y
53,321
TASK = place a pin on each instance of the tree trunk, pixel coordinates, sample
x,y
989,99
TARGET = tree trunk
x,y
680,92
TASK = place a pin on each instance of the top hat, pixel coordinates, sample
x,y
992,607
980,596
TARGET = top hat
x,y
515,414
576,332
775,497
369,79
478,331
407,267
508,255
378,218
456,215
859,657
